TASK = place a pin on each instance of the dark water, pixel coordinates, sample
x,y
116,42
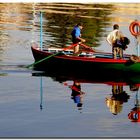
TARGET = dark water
x,y
34,105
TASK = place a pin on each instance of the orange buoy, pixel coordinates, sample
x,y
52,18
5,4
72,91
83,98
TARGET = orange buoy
x,y
132,28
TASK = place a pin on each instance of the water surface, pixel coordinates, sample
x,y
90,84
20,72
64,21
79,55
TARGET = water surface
x,y
41,106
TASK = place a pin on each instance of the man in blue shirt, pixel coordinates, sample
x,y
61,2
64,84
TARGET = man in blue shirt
x,y
76,37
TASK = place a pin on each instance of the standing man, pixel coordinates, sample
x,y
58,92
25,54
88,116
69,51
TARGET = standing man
x,y
114,39
76,37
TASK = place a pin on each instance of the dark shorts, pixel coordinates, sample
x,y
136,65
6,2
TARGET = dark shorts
x,y
74,40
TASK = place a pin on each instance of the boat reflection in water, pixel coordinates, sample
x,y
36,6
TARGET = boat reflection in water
x,y
114,101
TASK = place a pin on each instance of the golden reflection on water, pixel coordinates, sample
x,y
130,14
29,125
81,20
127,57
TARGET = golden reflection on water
x,y
18,13
13,16
126,13
59,19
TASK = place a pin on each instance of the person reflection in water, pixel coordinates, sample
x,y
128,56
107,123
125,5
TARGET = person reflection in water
x,y
134,114
77,94
115,102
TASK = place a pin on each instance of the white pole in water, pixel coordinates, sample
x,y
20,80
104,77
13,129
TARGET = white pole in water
x,y
41,46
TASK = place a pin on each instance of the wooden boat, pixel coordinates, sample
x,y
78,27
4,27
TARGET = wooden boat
x,y
87,63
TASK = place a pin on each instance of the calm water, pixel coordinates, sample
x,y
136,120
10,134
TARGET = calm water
x,y
41,106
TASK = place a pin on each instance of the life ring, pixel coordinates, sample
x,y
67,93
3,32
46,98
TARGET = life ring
x,y
132,28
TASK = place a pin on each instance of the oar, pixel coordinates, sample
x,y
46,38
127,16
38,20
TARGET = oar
x,y
90,49
37,62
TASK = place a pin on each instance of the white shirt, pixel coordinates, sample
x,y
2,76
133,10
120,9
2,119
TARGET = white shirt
x,y
115,34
